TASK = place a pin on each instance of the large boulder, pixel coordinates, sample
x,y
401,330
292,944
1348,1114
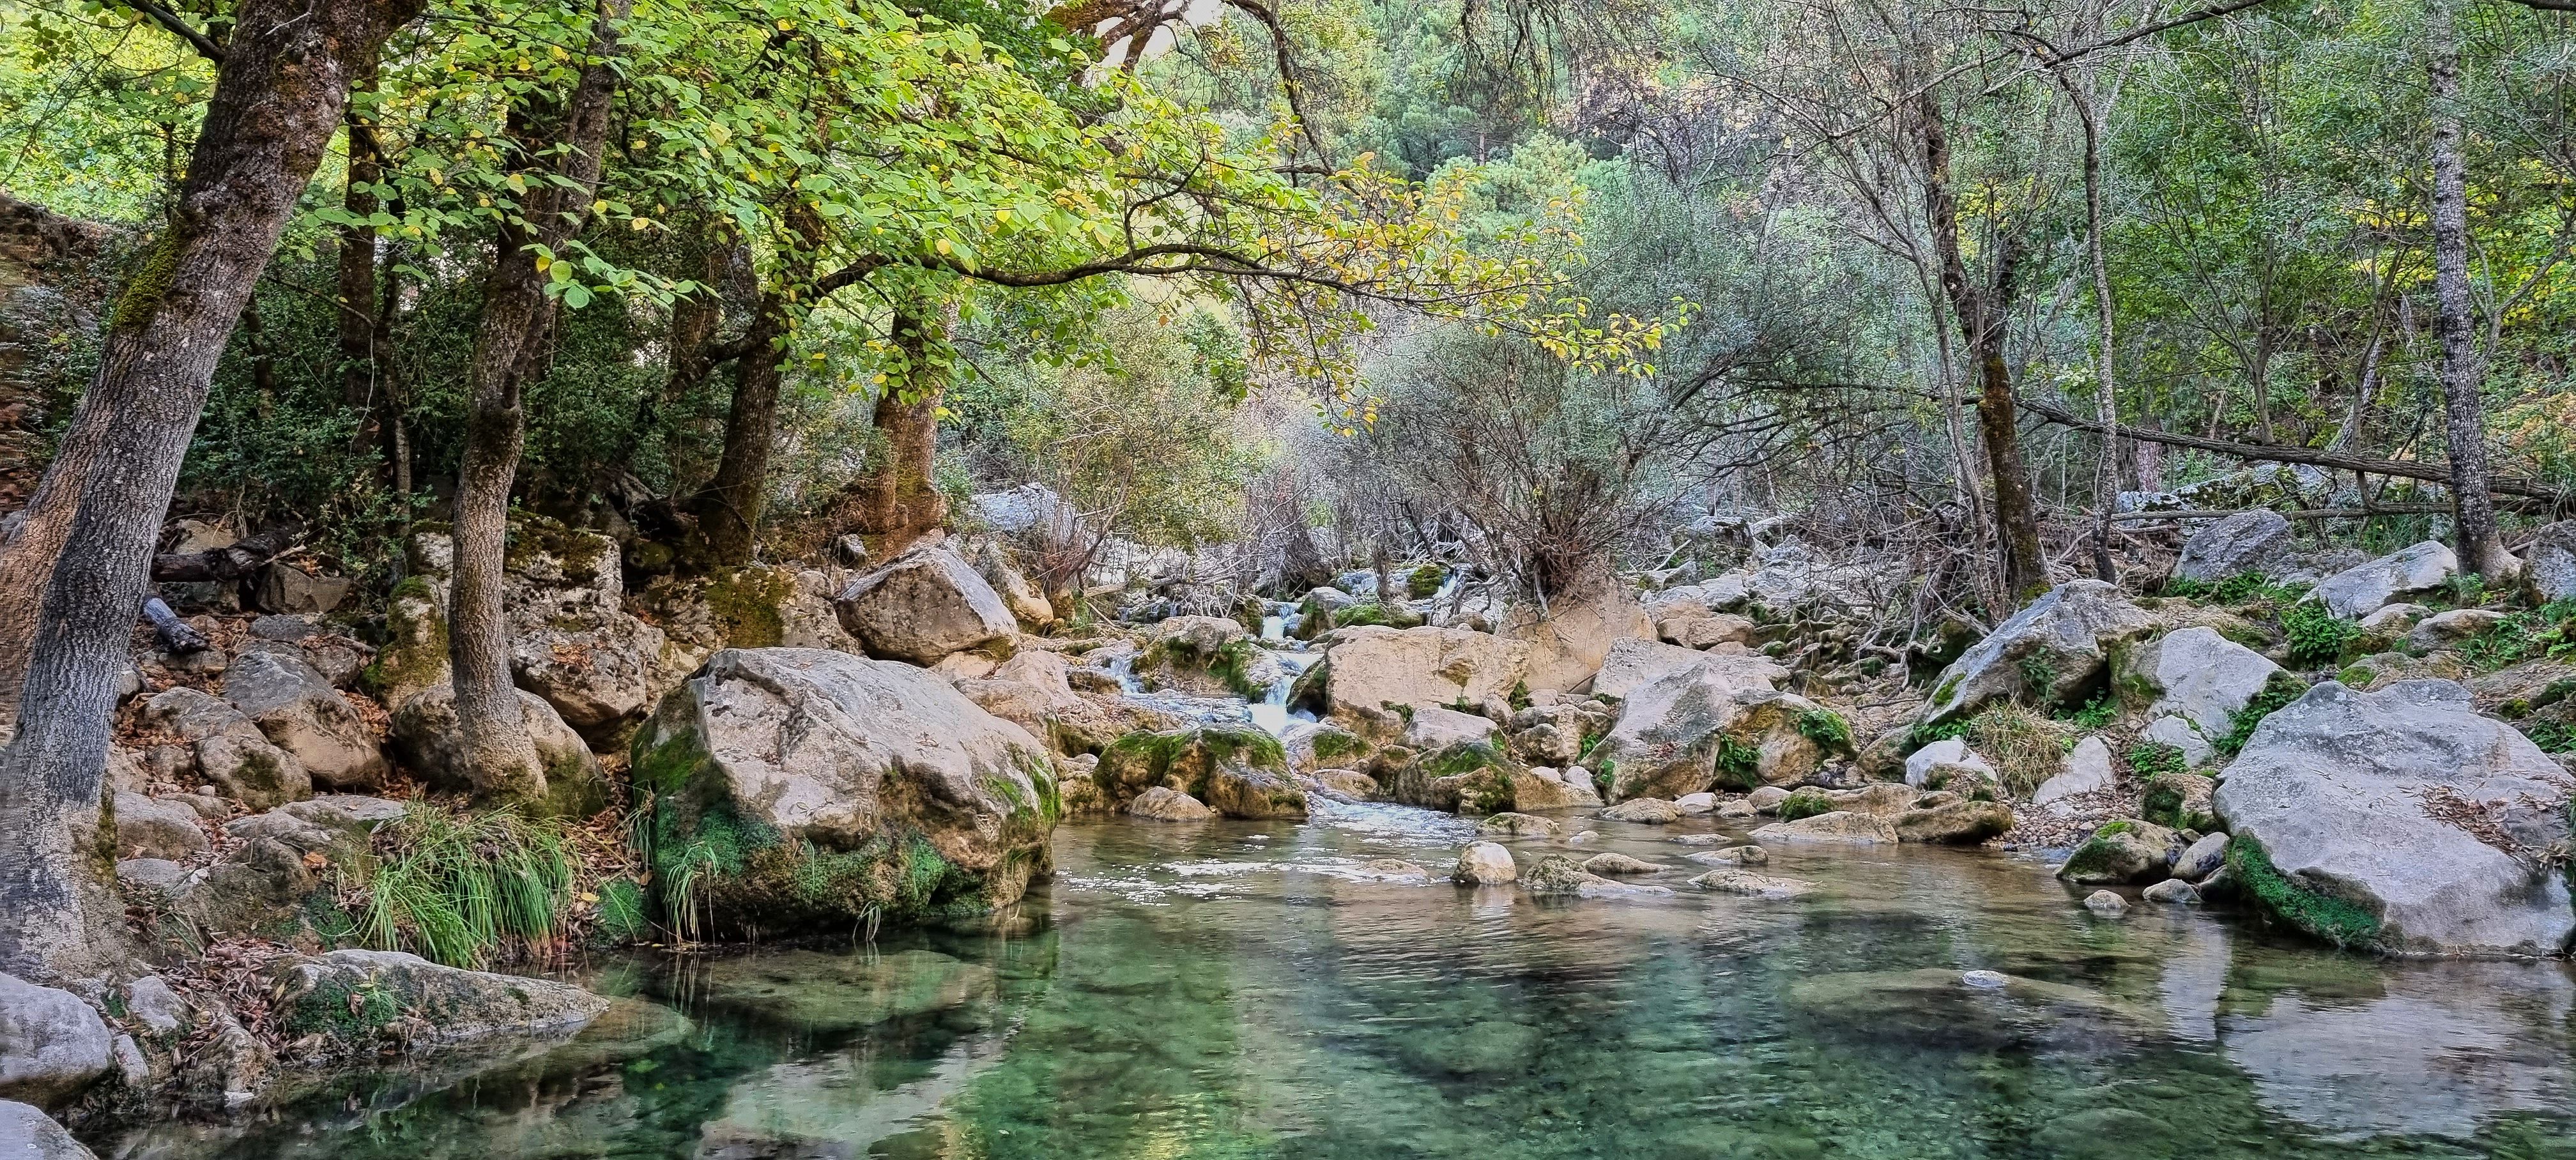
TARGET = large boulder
x,y
204,738
299,711
2363,589
2549,563
923,606
1634,663
1372,667
2050,653
1019,594
1571,637
2195,674
426,735
358,1000
806,789
1714,725
2402,820
2257,542
1238,771
26,1134
571,640
51,1043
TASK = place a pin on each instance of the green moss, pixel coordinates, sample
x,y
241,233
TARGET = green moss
x,y
1425,581
746,602
2096,858
1331,743
1826,728
1520,695
1941,695
1463,758
339,1011
577,550
2113,830
415,650
2275,693
1374,612
150,284
2333,919
2148,759
1234,664
1806,802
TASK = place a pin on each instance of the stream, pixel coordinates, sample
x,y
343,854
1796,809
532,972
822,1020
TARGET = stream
x,y
1243,989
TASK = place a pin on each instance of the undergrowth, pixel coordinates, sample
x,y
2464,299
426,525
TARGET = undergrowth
x,y
457,888
2317,636
2544,633
2149,759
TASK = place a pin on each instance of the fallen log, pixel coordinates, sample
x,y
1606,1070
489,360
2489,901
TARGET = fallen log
x,y
2267,452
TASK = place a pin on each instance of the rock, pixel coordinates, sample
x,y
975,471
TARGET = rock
x,y
1956,823
1485,864
2549,563
2127,850
150,1002
2255,542
283,587
2179,800
1949,751
2106,903
2202,858
1536,789
425,733
924,605
1692,627
2087,770
1168,805
2174,891
1632,664
299,711
1726,881
25,1134
2365,588
2394,619
1731,856
1518,824
2196,674
1433,727
1206,656
2402,820
1372,667
224,747
1559,875
1714,725
1834,826
360,998
1646,811
1737,809
2047,653
340,827
1025,600
51,1043
571,640
159,875
1573,639
1396,868
2180,733
2451,629
1350,783
150,829
1694,804
1619,866
1766,799
1237,770
873,776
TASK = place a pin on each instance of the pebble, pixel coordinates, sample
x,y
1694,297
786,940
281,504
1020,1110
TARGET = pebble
x,y
1986,980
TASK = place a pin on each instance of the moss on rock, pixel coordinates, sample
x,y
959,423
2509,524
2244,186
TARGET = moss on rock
x,y
2343,923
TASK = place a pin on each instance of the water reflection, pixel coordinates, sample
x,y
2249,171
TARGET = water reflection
x,y
1263,990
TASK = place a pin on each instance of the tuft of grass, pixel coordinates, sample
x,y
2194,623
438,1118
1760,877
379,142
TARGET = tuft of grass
x,y
2024,747
1826,728
456,888
2150,759
1805,803
2317,637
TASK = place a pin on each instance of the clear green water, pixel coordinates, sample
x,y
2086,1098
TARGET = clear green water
x,y
1240,990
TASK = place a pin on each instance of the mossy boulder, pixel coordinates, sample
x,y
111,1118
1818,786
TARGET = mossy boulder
x,y
804,789
1207,656
2052,653
1238,771
362,1001
2128,850
2180,800
1467,777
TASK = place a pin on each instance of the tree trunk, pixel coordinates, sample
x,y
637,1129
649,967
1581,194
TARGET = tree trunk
x,y
728,508
510,348
2479,542
898,502
278,96
361,389
2106,486
1981,314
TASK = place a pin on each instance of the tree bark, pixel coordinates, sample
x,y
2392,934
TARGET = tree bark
x,y
361,389
898,502
728,507
2106,486
510,348
278,96
2479,542
1981,313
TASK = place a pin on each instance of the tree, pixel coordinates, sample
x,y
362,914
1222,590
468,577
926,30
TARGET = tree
x,y
2480,543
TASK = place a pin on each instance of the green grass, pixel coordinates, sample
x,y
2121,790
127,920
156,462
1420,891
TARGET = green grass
x,y
2547,632
2317,637
2096,714
1805,803
1826,728
456,888
2148,759
2280,690
2243,588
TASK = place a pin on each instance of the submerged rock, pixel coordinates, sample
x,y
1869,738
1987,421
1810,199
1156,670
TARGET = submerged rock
x,y
1745,882
1517,824
2105,902
829,788
1648,811
1168,805
1731,856
359,997
2402,820
1619,866
2173,891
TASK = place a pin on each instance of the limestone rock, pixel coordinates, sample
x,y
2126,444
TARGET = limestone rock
x,y
283,587
1518,824
225,748
1619,866
2087,770
2202,858
915,799
2061,641
1433,727
1631,664
26,1134
2395,619
1547,789
2549,563
425,733
1557,874
1371,667
2365,588
1025,600
2180,800
1955,823
1349,783
1834,826
2404,820
2254,542
2449,629
922,606
1710,725
362,997
1749,884
2172,891
1574,637
2196,674
1238,771
2127,850
151,829
1947,751
1648,811
149,1001
1206,656
340,827
2105,902
299,711
51,1043
2179,732
1766,799
1485,864
1696,628
1168,805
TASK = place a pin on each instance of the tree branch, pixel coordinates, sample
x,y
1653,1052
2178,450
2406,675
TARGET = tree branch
x,y
2431,472
170,22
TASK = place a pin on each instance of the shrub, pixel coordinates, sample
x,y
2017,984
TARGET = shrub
x,y
1425,581
1739,765
2096,714
2024,747
455,888
2317,636
2149,759
1805,803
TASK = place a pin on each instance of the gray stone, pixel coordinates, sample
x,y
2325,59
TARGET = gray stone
x,y
1619,866
2549,563
1731,856
299,711
1370,667
2256,541
2366,588
1834,826
149,1001
1954,823
223,746
2407,804
1433,727
1168,805
1749,884
1632,663
1946,751
2180,733
2196,674
51,1043
2063,638
1672,732
1694,804
2395,619
1485,864
1648,811
2449,629
2105,902
2174,891
284,587
2125,850
288,629
922,606
1766,799
25,1134
340,827
2202,858
150,829
157,874
1517,824
428,1003
2087,769
425,731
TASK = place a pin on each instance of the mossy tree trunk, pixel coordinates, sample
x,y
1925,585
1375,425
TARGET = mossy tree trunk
x,y
554,136
899,500
280,89
729,507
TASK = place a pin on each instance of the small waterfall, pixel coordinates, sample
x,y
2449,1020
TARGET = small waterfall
x,y
1271,712
1123,667
1274,627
